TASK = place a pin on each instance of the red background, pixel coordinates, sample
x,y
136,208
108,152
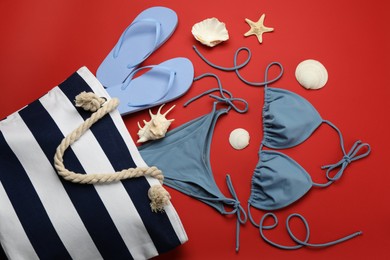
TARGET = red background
x,y
43,42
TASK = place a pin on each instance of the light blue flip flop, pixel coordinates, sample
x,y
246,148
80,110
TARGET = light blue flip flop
x,y
162,83
149,30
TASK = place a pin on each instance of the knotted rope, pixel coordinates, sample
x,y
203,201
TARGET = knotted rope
x,y
89,101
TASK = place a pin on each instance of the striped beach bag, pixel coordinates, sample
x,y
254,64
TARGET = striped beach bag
x,y
45,216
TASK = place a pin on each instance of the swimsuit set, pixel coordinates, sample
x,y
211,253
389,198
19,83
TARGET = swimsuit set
x,y
278,181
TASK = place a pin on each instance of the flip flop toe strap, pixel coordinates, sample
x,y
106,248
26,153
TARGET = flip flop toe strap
x,y
118,46
171,78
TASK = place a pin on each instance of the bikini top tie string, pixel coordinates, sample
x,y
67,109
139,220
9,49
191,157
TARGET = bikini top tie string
x,y
354,154
348,158
225,95
299,243
236,67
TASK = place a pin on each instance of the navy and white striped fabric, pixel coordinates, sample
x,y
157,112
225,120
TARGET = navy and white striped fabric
x,y
43,216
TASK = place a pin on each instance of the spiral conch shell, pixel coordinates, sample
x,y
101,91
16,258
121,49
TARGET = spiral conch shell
x,y
311,74
156,128
239,138
210,32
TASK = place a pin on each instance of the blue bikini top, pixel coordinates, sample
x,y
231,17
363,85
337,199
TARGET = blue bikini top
x,y
288,120
278,180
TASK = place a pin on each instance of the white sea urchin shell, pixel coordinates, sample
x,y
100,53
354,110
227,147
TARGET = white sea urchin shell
x,y
156,127
239,138
311,74
210,32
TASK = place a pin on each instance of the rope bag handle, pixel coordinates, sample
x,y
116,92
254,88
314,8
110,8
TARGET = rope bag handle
x,y
100,107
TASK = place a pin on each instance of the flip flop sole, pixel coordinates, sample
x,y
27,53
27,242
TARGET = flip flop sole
x,y
137,44
152,85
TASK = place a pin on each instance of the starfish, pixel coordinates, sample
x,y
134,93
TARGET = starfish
x,y
257,28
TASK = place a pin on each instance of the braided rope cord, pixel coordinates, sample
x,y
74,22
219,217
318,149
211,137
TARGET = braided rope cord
x,y
157,193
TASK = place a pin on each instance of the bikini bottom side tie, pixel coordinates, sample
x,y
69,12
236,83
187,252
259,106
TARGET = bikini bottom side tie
x,y
238,210
242,217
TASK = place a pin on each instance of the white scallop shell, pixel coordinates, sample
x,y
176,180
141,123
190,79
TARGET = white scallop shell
x,y
311,74
210,32
239,138
156,127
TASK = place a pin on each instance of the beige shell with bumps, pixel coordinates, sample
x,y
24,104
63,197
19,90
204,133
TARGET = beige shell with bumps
x,y
156,128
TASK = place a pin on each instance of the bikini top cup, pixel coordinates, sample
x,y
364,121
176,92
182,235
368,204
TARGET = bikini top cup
x,y
288,119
